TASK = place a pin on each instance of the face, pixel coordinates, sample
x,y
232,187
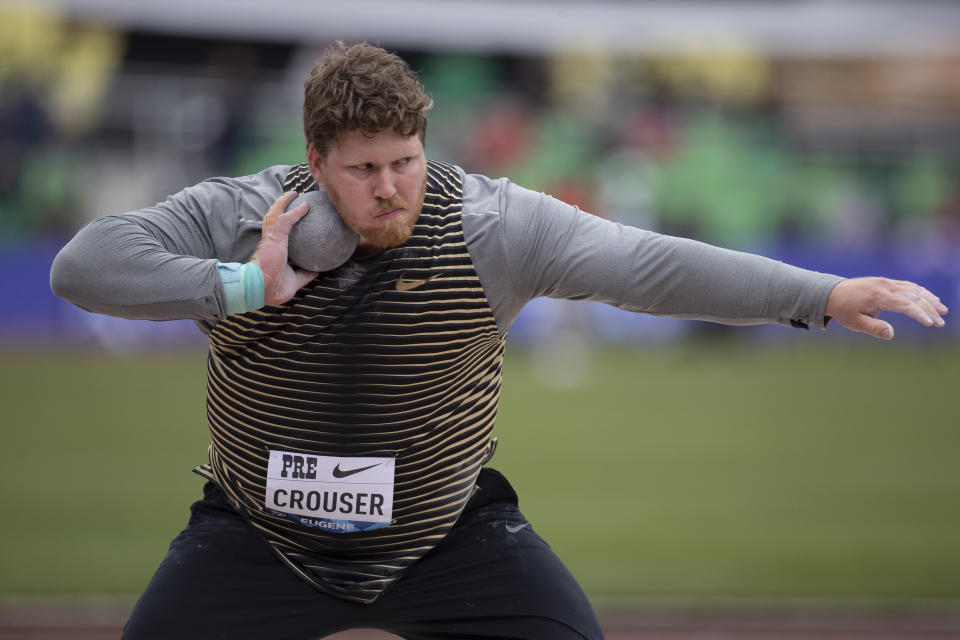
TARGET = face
x,y
377,184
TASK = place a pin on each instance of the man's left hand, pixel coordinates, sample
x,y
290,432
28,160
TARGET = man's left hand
x,y
857,302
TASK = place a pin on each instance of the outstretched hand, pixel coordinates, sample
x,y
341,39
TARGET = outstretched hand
x,y
857,302
280,280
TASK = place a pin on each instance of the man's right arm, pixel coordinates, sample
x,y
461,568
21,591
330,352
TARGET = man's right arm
x,y
160,263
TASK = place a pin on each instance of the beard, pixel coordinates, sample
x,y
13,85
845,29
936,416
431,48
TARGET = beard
x,y
389,233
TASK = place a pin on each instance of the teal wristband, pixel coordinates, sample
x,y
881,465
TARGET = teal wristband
x,y
243,286
253,288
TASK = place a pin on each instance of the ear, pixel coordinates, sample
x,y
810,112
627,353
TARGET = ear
x,y
315,162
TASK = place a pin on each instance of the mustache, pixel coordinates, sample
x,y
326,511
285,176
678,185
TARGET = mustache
x,y
396,202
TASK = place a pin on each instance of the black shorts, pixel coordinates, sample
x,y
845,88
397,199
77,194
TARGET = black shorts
x,y
491,577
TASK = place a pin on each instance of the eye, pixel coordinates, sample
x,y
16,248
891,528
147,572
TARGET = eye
x,y
361,169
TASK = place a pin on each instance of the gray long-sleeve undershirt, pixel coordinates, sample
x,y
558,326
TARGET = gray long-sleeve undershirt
x,y
159,263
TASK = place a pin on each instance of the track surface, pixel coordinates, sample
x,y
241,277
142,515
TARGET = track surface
x,y
34,620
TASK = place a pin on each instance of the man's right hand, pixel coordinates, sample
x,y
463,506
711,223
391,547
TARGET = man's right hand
x,y
280,280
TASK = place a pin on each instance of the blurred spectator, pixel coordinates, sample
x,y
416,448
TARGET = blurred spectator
x,y
24,127
503,136
235,67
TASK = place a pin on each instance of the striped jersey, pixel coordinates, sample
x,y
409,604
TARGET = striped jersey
x,y
394,358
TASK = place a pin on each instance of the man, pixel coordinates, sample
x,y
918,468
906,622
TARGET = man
x,y
351,411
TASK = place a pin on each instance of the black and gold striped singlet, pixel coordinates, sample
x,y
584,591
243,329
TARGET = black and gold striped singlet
x,y
355,365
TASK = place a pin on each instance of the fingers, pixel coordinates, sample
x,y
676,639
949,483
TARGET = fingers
x,y
917,293
915,302
287,219
928,301
935,301
280,221
877,328
279,206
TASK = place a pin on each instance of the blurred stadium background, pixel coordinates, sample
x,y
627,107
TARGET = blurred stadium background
x,y
823,133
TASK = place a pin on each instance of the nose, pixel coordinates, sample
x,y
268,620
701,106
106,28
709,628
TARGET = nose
x,y
384,187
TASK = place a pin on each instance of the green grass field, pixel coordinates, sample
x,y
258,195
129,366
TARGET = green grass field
x,y
692,471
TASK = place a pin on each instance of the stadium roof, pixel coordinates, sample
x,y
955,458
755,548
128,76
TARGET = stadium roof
x,y
785,27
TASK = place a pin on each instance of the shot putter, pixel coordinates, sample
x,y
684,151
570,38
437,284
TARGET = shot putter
x,y
320,241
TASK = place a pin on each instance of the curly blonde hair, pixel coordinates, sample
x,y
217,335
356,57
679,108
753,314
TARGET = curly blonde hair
x,y
362,87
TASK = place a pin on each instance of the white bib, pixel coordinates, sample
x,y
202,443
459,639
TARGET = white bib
x,y
341,495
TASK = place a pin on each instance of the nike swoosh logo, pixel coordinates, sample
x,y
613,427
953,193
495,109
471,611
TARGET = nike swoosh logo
x,y
516,528
337,473
406,285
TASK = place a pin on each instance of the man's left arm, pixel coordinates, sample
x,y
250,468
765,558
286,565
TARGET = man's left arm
x,y
556,250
